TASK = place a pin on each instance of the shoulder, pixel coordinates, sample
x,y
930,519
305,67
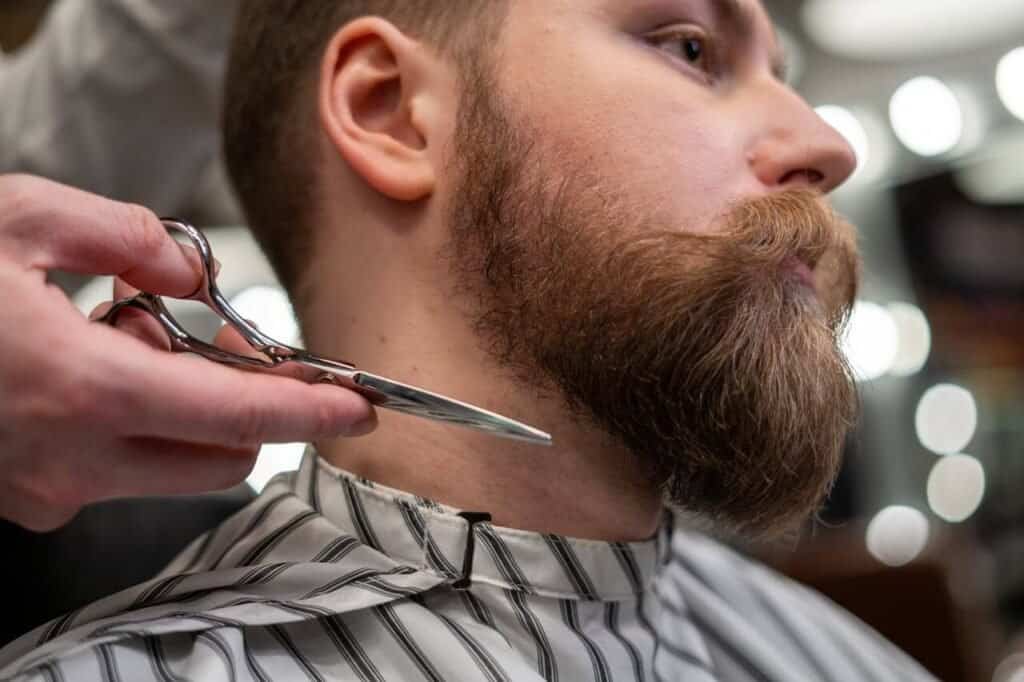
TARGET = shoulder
x,y
229,587
402,640
744,600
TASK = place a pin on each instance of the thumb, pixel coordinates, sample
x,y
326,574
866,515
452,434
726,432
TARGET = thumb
x,y
137,323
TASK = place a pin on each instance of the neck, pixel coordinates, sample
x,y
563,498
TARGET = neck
x,y
389,322
582,493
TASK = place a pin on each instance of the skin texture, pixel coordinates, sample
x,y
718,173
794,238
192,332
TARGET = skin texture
x,y
678,144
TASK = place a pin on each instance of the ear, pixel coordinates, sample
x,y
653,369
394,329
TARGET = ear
x,y
375,107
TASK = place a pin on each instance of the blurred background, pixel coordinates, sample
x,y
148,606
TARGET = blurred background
x,y
924,534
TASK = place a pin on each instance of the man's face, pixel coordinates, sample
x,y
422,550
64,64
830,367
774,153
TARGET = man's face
x,y
638,226
677,101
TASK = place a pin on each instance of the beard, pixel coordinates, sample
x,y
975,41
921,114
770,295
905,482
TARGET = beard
x,y
700,352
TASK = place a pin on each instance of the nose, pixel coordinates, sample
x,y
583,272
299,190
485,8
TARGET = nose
x,y
796,148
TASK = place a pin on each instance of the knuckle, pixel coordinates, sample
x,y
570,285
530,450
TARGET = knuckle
x,y
43,520
18,192
22,204
42,411
143,230
79,407
53,517
57,396
47,501
81,399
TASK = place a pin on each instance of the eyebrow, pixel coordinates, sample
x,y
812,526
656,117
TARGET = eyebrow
x,y
740,20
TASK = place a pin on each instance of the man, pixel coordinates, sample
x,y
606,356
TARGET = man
x,y
601,217
100,82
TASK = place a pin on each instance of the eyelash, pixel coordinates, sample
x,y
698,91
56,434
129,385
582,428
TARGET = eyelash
x,y
680,35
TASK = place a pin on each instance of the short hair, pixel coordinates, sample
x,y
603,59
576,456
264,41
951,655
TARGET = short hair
x,y
269,103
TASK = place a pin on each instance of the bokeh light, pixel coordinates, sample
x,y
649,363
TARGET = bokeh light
x,y
1011,669
274,458
897,535
271,311
909,30
926,116
871,341
946,418
1010,81
914,335
956,487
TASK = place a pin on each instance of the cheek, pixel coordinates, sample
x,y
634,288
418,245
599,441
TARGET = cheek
x,y
651,133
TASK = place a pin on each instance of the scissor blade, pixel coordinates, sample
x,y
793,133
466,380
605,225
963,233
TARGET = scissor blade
x,y
417,401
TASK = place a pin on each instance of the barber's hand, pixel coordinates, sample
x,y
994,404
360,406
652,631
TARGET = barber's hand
x,y
89,412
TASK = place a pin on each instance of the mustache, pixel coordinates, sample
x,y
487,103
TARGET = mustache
x,y
693,349
796,222
769,231
749,248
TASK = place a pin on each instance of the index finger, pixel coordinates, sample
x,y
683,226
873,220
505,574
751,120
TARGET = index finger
x,y
47,225
190,399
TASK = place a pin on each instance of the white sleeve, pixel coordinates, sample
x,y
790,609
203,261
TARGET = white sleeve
x,y
120,97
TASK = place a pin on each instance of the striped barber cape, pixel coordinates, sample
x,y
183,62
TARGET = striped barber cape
x,y
329,577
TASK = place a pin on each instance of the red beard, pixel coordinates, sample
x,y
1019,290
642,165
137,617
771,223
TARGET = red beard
x,y
704,354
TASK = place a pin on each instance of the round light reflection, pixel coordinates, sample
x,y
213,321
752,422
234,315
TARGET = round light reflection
x,y
871,341
1010,81
1010,670
926,116
946,419
956,487
897,535
914,339
274,458
271,310
849,126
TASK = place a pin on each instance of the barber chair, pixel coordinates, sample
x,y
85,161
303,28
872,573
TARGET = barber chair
x,y
108,547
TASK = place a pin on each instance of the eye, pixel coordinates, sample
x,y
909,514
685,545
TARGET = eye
x,y
686,43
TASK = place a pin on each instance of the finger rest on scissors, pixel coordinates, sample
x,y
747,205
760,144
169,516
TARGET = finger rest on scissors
x,y
137,323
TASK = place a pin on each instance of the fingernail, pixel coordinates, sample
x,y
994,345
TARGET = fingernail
x,y
192,256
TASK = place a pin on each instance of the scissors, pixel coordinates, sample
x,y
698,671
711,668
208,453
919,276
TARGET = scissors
x,y
380,391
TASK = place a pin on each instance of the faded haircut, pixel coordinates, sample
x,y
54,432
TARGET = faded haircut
x,y
269,118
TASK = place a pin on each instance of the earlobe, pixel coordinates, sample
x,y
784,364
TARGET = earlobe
x,y
369,108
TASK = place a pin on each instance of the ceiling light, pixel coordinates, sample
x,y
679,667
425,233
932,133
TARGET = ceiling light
x,y
995,176
946,419
884,30
1010,81
897,535
914,339
926,116
956,486
871,341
